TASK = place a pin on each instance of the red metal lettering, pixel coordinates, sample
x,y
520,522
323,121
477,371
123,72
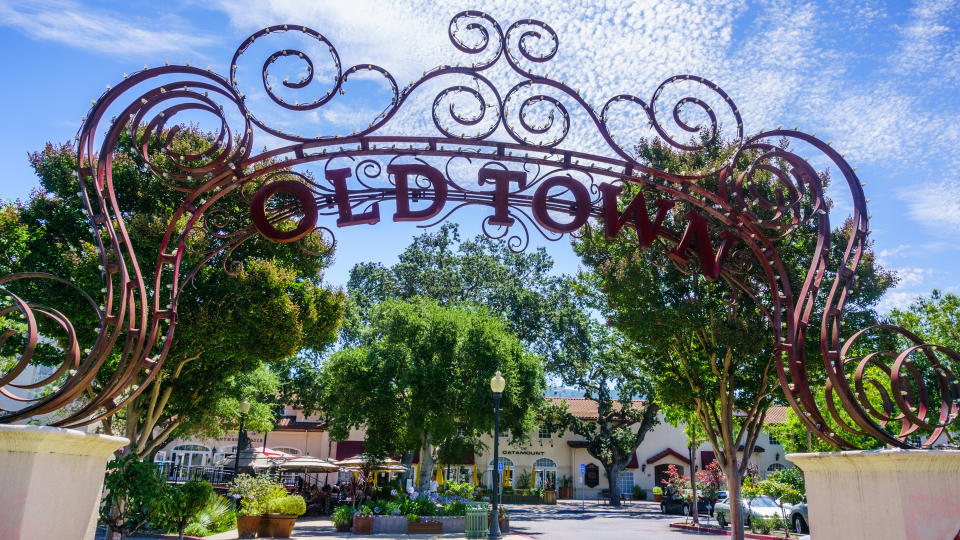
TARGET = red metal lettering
x,y
697,237
258,210
435,177
501,194
342,196
636,212
580,210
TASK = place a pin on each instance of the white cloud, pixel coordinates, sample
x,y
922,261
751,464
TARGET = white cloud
x,y
83,27
936,205
928,41
896,300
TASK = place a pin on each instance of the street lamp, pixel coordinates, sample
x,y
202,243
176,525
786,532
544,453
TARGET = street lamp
x,y
496,384
241,435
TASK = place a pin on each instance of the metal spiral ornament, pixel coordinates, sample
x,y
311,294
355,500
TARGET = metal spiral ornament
x,y
889,395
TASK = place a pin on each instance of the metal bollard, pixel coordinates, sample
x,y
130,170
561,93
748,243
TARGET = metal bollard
x,y
476,520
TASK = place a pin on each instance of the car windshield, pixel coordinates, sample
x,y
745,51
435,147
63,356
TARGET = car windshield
x,y
763,502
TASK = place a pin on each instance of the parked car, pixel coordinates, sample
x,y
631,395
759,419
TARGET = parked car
x,y
798,518
760,506
673,504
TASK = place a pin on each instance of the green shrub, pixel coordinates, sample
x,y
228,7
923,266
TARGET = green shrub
x,y
257,493
342,515
181,503
763,525
413,518
216,516
290,504
639,493
658,490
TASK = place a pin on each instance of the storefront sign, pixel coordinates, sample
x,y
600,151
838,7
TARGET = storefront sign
x,y
522,453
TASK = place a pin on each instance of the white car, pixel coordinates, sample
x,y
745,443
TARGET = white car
x,y
760,506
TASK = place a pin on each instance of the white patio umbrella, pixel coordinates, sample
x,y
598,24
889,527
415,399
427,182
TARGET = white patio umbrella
x,y
309,464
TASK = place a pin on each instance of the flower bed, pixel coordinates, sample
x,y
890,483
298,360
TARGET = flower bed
x,y
723,532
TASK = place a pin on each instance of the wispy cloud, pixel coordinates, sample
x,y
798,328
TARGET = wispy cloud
x,y
936,205
928,41
86,28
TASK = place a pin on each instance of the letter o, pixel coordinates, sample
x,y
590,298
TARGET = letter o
x,y
581,201
258,211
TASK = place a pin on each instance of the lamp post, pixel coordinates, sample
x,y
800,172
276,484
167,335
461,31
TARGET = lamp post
x,y
241,435
496,384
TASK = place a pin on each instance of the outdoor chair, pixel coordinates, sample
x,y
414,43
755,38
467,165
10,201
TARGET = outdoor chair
x,y
603,496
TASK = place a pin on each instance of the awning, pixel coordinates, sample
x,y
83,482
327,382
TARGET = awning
x,y
756,449
668,452
634,464
348,449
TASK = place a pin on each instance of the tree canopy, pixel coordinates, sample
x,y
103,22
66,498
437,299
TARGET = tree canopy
x,y
419,378
230,325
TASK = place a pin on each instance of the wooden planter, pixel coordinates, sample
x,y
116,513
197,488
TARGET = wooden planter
x,y
657,497
424,527
263,531
549,496
362,524
504,523
279,525
248,526
342,527
566,492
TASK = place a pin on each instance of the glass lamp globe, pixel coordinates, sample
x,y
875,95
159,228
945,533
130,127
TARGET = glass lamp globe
x,y
244,407
497,383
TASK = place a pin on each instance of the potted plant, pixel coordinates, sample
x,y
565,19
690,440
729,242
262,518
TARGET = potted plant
x,y
566,487
639,494
423,525
283,515
256,493
504,519
657,494
363,520
343,518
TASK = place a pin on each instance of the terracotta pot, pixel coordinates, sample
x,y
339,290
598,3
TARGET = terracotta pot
x,y
279,525
657,497
550,496
566,493
263,531
248,526
424,527
362,524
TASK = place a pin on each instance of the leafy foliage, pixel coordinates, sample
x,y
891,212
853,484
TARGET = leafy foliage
x,y
180,504
419,377
133,494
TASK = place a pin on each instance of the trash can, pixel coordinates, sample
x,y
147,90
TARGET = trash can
x,y
476,526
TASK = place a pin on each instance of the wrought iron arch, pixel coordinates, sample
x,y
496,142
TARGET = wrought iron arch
x,y
531,181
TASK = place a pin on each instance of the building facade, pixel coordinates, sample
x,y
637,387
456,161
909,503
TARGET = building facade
x,y
544,459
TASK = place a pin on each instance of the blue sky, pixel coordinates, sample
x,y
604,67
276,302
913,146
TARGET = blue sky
x,y
878,79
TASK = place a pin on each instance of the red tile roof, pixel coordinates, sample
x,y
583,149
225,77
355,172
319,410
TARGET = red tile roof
x,y
777,414
586,409
668,452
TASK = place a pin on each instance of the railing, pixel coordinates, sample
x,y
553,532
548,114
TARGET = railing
x,y
181,473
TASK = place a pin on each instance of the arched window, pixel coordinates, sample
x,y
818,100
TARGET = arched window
x,y
191,448
775,467
288,450
187,457
546,471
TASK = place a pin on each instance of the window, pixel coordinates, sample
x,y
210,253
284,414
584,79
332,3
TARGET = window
x,y
775,467
773,439
546,471
915,440
505,433
625,483
545,432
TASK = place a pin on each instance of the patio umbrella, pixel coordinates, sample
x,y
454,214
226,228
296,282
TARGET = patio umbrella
x,y
475,476
309,464
440,475
362,460
533,477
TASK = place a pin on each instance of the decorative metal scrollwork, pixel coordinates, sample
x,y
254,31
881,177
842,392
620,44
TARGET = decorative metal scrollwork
x,y
522,173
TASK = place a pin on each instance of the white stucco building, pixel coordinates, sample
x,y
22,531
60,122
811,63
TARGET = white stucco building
x,y
548,456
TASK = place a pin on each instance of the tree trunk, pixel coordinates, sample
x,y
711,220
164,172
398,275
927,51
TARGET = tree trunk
x,y
694,507
426,465
613,472
733,488
407,461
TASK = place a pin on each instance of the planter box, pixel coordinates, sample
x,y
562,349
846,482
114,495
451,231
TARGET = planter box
x,y
549,497
657,497
248,526
363,524
520,499
425,527
453,524
278,525
566,493
389,524
342,527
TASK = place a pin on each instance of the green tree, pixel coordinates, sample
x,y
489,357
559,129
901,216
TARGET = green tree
x,y
180,503
707,347
419,378
132,495
537,305
605,367
935,319
230,325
